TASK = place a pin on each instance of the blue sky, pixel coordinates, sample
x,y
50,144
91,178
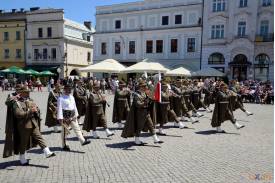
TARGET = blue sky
x,y
77,10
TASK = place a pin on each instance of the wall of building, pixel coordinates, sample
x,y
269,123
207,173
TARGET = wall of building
x,y
232,44
142,21
12,44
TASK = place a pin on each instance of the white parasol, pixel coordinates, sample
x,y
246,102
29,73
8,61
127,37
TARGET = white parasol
x,y
105,66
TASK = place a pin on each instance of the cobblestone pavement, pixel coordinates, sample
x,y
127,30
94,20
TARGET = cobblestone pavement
x,y
188,155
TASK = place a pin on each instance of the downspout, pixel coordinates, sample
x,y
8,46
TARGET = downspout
x,y
201,32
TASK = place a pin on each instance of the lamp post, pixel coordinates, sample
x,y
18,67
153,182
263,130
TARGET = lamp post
x,y
58,71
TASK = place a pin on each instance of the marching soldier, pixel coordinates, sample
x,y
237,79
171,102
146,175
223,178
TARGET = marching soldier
x,y
180,102
121,104
80,96
95,113
186,88
23,126
196,97
51,116
67,116
165,112
222,110
139,118
236,100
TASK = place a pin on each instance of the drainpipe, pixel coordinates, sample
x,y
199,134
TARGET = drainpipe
x,y
201,32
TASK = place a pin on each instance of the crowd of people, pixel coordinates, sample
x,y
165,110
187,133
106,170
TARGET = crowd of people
x,y
145,104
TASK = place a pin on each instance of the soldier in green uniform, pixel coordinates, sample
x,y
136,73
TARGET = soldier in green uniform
x,y
139,118
121,106
164,111
51,115
180,103
23,126
222,110
81,98
95,113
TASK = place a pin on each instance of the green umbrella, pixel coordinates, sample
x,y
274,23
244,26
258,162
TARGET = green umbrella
x,y
14,70
32,72
47,73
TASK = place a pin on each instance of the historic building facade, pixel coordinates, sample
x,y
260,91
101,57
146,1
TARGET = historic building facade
x,y
12,38
166,31
238,38
54,42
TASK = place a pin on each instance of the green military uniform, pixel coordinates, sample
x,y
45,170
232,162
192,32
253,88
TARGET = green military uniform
x,y
121,106
51,118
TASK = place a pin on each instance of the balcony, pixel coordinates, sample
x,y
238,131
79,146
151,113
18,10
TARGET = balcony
x,y
265,38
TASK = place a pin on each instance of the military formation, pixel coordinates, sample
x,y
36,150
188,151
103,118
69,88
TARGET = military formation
x,y
146,107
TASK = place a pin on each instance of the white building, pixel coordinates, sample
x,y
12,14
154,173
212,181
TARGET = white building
x,y
53,42
166,31
238,38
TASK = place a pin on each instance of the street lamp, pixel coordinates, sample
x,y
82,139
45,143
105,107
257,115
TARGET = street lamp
x,y
58,70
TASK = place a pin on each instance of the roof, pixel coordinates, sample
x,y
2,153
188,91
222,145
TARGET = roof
x,y
77,25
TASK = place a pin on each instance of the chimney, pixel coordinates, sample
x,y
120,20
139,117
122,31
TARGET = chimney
x,y
34,8
13,10
88,24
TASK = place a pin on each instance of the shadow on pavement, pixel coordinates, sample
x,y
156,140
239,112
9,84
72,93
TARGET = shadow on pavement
x,y
54,149
5,165
210,132
127,145
122,145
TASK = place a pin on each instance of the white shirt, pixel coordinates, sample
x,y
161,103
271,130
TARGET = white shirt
x,y
65,102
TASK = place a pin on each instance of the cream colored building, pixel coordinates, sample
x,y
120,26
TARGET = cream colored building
x,y
238,38
12,38
54,42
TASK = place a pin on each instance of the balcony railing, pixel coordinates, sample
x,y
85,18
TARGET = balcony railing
x,y
264,38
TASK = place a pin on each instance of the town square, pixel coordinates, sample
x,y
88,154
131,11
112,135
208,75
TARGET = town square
x,y
137,91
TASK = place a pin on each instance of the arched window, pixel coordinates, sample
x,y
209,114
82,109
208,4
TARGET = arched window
x,y
262,59
216,58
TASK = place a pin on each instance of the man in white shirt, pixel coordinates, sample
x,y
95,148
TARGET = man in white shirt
x,y
67,115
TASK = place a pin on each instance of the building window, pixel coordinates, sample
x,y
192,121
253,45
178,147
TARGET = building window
x,y
36,54
159,46
264,28
241,29
45,54
218,5
217,32
118,24
7,53
40,32
149,46
53,50
243,3
18,53
165,20
262,59
6,36
49,32
132,47
178,19
88,38
89,56
216,58
191,45
17,35
117,48
103,48
266,2
174,45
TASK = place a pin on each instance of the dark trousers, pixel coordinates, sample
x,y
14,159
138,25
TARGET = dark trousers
x,y
25,135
